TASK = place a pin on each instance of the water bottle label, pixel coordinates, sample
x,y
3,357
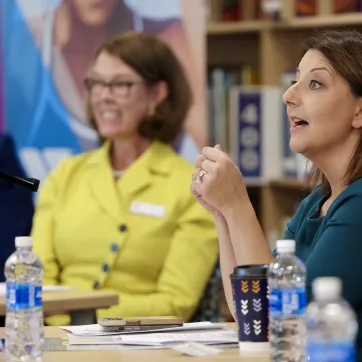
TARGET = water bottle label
x,y
287,302
331,352
23,296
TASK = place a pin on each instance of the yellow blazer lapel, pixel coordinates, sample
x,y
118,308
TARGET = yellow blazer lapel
x,y
156,159
138,177
101,182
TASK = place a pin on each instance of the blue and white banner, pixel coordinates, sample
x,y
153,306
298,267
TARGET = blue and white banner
x,y
47,47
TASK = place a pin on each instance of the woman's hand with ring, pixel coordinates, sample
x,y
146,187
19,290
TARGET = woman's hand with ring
x,y
201,174
196,189
223,184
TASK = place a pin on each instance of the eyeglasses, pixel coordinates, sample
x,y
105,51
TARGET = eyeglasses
x,y
118,87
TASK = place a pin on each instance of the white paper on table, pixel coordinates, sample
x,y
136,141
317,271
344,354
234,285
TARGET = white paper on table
x,y
100,347
92,340
97,330
88,330
196,349
210,337
100,341
46,288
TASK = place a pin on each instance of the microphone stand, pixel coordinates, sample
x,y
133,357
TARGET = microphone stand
x,y
28,183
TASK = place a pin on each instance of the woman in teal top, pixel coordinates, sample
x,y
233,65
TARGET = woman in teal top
x,y
324,106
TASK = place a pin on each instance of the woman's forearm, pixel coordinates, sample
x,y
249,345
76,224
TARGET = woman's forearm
x,y
241,242
246,235
227,259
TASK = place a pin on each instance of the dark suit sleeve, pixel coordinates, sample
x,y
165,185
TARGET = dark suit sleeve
x,y
16,203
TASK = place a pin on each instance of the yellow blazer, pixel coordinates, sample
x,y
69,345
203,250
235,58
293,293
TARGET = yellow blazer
x,y
144,236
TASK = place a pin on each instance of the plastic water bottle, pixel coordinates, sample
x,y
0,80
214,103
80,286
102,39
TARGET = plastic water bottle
x,y
287,303
331,324
24,325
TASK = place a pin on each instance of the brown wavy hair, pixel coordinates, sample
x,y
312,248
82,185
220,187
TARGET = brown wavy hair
x,y
154,61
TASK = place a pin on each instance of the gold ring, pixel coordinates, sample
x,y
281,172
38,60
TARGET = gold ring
x,y
202,173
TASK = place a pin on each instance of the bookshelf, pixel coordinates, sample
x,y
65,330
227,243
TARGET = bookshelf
x,y
307,22
248,26
272,45
322,21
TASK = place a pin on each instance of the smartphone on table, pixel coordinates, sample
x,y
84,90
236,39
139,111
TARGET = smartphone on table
x,y
139,323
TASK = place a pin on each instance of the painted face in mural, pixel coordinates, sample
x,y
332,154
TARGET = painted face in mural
x,y
119,97
93,12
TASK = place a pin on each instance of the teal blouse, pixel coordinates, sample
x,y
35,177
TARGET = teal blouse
x,y
332,245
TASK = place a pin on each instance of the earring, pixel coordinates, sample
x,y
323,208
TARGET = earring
x,y
151,111
355,123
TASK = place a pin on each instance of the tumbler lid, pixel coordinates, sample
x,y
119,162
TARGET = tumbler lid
x,y
251,271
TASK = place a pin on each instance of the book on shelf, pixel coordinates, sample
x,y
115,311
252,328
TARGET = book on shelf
x,y
220,80
244,10
234,10
256,130
213,10
251,123
310,7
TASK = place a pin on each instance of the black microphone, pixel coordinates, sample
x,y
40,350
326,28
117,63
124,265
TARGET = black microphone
x,y
28,183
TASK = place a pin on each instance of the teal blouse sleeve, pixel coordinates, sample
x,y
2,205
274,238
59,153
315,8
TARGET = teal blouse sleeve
x,y
338,250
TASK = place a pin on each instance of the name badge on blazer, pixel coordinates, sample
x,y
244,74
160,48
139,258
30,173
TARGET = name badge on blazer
x,y
147,209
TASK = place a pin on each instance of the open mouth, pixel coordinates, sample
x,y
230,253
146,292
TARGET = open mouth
x,y
109,115
299,123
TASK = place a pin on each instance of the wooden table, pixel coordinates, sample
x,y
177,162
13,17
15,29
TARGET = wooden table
x,y
80,304
160,355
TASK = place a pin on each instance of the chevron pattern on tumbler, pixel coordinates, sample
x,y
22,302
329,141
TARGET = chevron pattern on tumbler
x,y
257,305
244,307
257,327
247,330
244,286
255,286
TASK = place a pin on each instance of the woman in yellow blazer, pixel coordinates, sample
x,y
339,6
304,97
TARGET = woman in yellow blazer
x,y
121,217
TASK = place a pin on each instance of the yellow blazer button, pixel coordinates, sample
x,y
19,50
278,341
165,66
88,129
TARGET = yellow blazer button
x,y
114,247
123,228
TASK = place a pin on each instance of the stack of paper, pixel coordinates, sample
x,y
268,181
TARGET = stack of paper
x,y
94,337
165,339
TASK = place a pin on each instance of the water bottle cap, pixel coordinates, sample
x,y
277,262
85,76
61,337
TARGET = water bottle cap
x,y
23,242
285,246
327,288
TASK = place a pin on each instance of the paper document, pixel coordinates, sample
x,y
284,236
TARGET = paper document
x,y
209,337
202,332
97,330
196,349
46,288
97,347
100,340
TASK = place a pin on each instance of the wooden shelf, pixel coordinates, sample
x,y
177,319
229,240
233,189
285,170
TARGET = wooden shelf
x,y
329,21
307,22
255,182
219,28
293,184
284,183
